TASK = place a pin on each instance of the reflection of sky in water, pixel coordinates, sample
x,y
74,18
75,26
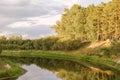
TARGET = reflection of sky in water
x,y
36,73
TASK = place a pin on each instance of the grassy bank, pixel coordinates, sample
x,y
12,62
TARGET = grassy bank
x,y
9,70
88,61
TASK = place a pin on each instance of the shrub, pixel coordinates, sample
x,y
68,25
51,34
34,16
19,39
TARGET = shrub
x,y
106,52
0,49
115,48
69,45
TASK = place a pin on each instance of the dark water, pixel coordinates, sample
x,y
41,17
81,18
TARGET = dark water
x,y
55,69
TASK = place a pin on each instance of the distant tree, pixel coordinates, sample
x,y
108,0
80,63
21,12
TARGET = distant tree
x,y
15,38
2,39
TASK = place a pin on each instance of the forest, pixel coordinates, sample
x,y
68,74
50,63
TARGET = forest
x,y
93,23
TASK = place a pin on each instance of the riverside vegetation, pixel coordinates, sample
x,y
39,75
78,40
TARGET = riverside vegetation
x,y
78,30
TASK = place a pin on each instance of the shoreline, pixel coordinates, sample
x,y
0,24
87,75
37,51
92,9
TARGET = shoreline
x,y
91,62
85,60
13,72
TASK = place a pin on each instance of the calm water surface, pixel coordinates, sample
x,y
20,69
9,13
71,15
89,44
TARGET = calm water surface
x,y
36,73
58,69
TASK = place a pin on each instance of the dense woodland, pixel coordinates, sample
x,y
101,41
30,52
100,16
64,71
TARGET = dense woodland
x,y
93,23
78,26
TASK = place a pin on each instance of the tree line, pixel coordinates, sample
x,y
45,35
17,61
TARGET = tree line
x,y
46,43
92,23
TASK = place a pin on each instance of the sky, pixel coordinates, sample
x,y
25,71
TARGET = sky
x,y
34,18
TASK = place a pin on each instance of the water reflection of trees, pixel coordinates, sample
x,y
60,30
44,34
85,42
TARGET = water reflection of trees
x,y
66,70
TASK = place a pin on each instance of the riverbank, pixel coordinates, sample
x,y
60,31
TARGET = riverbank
x,y
105,64
9,70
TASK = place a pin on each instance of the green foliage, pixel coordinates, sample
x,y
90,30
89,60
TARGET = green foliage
x,y
14,71
94,23
106,51
72,23
47,43
115,48
52,43
67,45
0,49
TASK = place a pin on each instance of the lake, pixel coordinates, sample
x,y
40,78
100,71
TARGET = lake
x,y
58,69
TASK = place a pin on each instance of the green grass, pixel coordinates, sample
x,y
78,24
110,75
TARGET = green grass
x,y
14,70
95,61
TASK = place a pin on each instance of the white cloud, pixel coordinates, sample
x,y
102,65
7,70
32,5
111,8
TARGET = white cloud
x,y
36,21
69,3
22,24
25,36
10,2
44,35
45,20
84,3
5,20
5,33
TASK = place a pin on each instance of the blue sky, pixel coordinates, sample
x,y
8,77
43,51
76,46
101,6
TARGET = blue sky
x,y
33,18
